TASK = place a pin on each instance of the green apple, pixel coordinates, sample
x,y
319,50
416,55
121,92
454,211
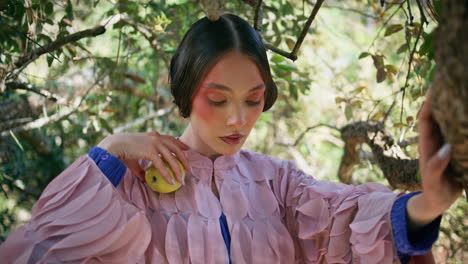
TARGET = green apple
x,y
158,183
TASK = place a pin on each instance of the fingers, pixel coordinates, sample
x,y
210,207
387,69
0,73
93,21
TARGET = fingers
x,y
430,137
439,162
178,143
171,160
135,168
158,163
179,154
166,147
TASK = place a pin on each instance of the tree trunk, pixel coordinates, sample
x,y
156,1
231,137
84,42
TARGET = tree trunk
x,y
450,86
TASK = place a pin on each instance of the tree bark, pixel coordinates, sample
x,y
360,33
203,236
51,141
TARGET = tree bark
x,y
450,85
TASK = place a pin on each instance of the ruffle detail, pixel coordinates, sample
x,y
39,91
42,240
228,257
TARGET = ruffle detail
x,y
371,236
334,222
80,217
275,214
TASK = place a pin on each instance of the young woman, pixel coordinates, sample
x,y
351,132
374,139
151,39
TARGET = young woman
x,y
235,205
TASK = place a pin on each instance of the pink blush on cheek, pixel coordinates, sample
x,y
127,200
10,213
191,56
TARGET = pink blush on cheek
x,y
202,107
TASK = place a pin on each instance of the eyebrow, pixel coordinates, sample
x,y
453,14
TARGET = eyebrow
x,y
225,88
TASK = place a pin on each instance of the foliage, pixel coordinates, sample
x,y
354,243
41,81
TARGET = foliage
x,y
353,65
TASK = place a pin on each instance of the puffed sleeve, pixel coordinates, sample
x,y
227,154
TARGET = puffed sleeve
x,y
336,222
80,217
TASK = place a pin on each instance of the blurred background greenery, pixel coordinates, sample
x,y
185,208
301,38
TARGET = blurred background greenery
x,y
353,66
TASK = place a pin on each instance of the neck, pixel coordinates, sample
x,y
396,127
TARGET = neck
x,y
193,140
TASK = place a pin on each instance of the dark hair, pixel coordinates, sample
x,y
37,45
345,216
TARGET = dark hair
x,y
203,45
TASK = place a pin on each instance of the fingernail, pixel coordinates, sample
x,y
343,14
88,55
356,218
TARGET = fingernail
x,y
183,180
173,182
444,151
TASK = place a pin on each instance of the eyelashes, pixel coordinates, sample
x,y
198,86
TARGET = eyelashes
x,y
220,103
216,103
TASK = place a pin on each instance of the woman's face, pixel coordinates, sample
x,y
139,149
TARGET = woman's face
x,y
227,104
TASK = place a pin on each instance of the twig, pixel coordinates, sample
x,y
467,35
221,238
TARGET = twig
x,y
281,52
258,19
385,23
409,12
42,92
387,114
291,55
33,41
310,128
301,37
423,20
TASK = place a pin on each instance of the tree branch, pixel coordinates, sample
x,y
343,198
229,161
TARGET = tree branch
x,y
55,117
257,25
301,37
310,128
400,170
258,19
22,62
141,120
42,92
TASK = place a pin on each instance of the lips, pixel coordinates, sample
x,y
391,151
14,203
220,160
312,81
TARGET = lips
x,y
232,139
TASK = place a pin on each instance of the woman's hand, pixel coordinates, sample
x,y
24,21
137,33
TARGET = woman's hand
x,y
152,146
439,193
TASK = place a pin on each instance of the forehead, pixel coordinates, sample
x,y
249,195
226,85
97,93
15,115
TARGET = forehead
x,y
236,71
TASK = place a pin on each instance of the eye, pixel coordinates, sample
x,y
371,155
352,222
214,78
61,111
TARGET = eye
x,y
253,103
216,103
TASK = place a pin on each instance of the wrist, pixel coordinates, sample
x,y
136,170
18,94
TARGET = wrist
x,y
421,211
108,144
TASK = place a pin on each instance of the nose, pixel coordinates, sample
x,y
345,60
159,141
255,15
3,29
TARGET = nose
x,y
237,117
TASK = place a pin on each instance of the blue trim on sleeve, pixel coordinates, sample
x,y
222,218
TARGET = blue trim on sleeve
x,y
110,165
411,243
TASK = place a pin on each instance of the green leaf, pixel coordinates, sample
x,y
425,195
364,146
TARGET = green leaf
x,y
378,115
402,48
286,67
69,10
105,125
399,125
427,47
356,103
392,29
277,58
348,112
364,54
49,8
339,100
50,60
391,68
293,92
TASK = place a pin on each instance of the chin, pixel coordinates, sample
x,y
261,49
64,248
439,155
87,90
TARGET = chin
x,y
229,150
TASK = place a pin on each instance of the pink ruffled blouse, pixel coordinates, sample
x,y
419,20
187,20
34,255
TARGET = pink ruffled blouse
x,y
275,214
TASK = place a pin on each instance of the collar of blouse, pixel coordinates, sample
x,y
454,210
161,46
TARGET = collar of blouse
x,y
203,167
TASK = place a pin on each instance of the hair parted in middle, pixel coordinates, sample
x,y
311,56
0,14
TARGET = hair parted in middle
x,y
203,45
